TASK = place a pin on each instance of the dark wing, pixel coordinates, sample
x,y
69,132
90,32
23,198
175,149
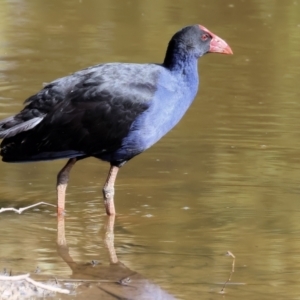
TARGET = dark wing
x,y
85,114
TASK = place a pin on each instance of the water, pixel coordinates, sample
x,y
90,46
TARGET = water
x,y
226,178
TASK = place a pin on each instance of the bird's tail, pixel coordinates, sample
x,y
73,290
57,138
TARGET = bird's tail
x,y
25,147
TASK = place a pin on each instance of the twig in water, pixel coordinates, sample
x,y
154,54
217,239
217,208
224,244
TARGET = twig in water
x,y
20,210
228,253
47,287
35,283
14,278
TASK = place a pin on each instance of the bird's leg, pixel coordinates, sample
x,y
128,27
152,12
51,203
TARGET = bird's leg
x,y
61,186
109,239
109,191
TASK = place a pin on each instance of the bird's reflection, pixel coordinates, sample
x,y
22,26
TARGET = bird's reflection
x,y
107,281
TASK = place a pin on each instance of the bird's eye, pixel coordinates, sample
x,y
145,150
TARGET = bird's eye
x,y
204,36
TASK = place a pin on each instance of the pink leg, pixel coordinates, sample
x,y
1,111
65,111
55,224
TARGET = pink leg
x,y
109,191
62,183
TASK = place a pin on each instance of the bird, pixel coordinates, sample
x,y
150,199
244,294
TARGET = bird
x,y
110,111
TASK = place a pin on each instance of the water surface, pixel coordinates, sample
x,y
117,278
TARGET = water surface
x,y
226,178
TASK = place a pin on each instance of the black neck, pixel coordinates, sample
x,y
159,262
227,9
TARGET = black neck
x,y
177,57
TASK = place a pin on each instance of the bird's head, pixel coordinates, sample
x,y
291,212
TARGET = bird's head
x,y
198,40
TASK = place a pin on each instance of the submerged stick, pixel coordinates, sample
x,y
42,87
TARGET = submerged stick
x,y
228,253
14,278
47,287
35,283
20,210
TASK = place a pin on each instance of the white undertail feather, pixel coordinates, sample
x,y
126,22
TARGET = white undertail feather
x,y
24,126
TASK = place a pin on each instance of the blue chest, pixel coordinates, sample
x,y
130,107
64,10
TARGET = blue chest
x,y
174,94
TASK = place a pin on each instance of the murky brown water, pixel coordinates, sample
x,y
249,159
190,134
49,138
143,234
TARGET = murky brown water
x,y
226,178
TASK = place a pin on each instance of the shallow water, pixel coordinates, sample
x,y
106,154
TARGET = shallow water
x,y
226,178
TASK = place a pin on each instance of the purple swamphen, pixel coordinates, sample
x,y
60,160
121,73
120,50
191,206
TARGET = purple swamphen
x,y
111,111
